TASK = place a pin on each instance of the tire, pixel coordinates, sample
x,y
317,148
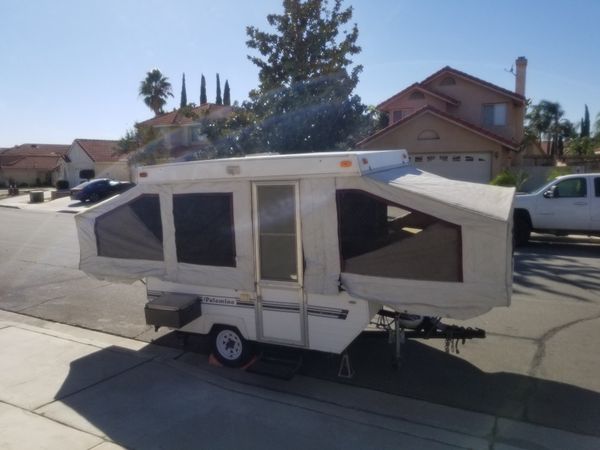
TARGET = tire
x,y
94,197
521,231
229,347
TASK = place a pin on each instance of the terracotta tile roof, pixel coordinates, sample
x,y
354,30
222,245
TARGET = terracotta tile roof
x,y
428,109
176,118
32,156
449,70
31,162
36,150
101,150
421,88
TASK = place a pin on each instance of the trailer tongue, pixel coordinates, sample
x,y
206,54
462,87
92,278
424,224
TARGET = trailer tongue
x,y
305,250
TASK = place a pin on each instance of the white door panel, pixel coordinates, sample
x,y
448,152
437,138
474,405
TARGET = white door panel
x,y
568,210
281,307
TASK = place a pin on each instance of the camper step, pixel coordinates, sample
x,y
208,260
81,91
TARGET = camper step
x,y
276,365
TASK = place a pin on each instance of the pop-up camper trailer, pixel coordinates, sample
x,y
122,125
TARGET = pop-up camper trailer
x,y
302,250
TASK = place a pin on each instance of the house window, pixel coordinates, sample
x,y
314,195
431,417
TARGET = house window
x,y
132,231
494,114
383,239
428,135
196,134
204,232
448,81
571,188
417,95
400,114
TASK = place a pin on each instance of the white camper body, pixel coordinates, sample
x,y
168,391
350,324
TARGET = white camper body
x,y
304,250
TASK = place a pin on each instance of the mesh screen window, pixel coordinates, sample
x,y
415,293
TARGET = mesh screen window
x,y
383,239
204,233
132,231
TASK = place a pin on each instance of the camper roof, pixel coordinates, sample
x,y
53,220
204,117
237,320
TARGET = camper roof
x,y
276,166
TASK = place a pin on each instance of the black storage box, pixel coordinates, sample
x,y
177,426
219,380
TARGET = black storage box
x,y
172,310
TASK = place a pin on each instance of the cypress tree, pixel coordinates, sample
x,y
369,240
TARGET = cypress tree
x,y
183,102
219,99
203,99
585,123
226,94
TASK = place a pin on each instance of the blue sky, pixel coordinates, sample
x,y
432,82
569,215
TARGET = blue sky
x,y
72,69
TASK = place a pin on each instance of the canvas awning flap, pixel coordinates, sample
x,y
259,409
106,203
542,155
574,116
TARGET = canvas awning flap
x,y
484,215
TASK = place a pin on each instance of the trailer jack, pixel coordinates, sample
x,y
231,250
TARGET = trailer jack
x,y
402,326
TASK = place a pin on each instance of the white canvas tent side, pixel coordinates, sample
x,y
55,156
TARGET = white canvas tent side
x,y
447,251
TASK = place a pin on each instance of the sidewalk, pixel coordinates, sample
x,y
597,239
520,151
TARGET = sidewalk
x,y
64,204
66,387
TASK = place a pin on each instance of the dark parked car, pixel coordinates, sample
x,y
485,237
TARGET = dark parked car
x,y
98,189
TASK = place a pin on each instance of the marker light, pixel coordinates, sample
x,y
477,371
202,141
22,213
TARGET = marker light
x,y
345,163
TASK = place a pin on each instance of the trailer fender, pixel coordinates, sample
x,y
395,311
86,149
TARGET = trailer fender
x,y
231,321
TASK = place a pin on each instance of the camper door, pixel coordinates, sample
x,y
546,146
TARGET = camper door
x,y
281,308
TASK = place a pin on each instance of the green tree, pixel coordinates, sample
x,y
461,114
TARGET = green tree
x,y
203,98
226,94
183,101
219,100
155,89
304,101
545,120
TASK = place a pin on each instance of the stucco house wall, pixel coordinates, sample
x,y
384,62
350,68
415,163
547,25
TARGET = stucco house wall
x,y
116,170
78,161
472,98
452,139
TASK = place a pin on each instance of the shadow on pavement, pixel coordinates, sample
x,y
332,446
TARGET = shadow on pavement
x,y
556,267
438,377
153,406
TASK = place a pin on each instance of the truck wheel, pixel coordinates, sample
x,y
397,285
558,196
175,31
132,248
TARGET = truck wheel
x,y
229,347
521,231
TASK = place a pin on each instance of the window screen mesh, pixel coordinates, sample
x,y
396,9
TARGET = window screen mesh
x,y
204,229
379,238
132,231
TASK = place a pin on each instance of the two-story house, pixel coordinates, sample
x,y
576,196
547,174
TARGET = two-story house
x,y
180,131
456,125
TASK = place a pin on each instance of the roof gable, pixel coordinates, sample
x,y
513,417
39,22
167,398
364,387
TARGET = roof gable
x,y
445,71
100,150
419,88
447,117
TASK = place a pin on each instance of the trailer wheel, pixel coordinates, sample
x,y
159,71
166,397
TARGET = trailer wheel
x,y
521,231
229,347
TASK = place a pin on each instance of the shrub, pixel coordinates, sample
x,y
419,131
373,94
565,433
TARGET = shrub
x,y
509,178
62,185
558,171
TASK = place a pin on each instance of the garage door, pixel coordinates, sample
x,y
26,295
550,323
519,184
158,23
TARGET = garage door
x,y
474,167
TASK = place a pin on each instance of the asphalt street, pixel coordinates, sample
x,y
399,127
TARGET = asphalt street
x,y
539,363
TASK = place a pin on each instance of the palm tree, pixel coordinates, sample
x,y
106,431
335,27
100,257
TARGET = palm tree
x,y
155,89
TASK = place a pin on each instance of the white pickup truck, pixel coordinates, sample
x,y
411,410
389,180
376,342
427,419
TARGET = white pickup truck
x,y
567,205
